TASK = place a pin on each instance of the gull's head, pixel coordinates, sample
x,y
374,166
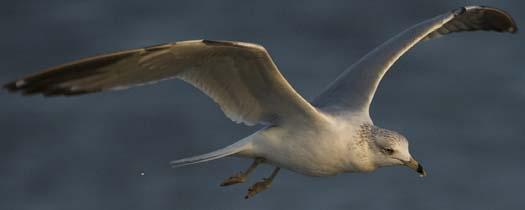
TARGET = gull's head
x,y
391,148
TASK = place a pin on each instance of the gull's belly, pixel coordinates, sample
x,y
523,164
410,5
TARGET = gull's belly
x,y
311,152
305,162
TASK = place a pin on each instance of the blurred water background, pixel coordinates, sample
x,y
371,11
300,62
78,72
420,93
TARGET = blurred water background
x,y
458,99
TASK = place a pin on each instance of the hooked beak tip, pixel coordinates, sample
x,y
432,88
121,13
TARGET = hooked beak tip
x,y
421,170
414,165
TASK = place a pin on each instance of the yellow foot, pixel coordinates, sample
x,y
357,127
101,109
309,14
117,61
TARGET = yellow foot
x,y
235,179
258,187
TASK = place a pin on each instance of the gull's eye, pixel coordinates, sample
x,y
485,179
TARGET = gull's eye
x,y
388,151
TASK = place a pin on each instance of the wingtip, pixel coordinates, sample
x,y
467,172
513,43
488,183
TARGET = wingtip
x,y
503,21
511,24
11,86
513,28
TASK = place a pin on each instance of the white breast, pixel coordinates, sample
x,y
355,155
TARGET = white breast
x,y
315,151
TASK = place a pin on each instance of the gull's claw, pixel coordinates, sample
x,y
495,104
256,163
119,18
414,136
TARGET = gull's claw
x,y
235,179
258,187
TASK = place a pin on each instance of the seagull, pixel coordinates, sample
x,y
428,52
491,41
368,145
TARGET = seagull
x,y
332,134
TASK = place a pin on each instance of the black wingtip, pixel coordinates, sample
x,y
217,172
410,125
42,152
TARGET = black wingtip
x,y
510,25
11,87
498,19
21,87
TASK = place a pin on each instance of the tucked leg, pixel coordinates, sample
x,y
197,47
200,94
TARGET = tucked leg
x,y
241,176
261,185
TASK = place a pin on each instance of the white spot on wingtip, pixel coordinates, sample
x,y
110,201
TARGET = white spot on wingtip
x,y
120,88
20,83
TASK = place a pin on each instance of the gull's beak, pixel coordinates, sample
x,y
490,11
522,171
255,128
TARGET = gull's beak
x,y
413,164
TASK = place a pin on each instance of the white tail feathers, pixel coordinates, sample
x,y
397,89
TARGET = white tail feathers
x,y
227,151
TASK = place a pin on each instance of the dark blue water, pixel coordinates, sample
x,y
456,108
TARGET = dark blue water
x,y
460,100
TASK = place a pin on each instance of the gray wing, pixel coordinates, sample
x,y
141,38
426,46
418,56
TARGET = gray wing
x,y
240,77
354,89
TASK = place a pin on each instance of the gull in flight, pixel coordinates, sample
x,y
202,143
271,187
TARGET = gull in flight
x,y
332,134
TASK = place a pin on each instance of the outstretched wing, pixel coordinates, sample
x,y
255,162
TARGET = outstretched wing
x,y
354,89
240,77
